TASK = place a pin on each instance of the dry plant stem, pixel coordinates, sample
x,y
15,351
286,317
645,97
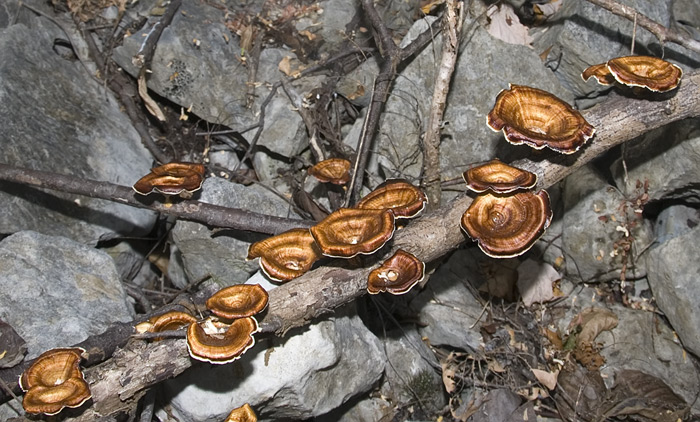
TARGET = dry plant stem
x,y
453,18
392,57
661,32
297,302
214,215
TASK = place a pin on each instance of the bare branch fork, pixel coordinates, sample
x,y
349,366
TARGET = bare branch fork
x,y
296,303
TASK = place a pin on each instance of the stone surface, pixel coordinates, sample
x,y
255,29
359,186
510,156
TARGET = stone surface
x,y
667,160
308,373
673,269
57,292
674,221
595,221
447,306
224,255
57,118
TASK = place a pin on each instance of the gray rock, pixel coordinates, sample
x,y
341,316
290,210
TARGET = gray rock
x,y
582,34
57,118
57,292
595,223
484,62
210,77
447,306
223,255
673,269
498,406
306,374
373,409
667,160
412,374
674,221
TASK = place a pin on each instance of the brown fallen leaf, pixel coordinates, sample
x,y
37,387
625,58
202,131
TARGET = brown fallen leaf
x,y
594,321
546,378
505,25
580,393
536,281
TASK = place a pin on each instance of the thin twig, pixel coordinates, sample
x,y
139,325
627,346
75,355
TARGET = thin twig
x,y
661,32
453,18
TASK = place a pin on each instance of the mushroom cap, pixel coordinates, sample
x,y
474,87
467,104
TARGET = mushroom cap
x,y
347,232
399,195
238,301
332,170
170,321
172,179
244,413
54,381
498,177
73,392
397,275
219,343
647,72
600,72
287,255
506,226
539,119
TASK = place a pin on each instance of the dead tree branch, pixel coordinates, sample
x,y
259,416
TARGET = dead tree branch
x,y
453,18
661,32
202,212
298,302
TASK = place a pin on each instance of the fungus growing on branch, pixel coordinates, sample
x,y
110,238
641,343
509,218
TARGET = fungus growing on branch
x,y
350,231
54,381
172,179
332,170
219,343
404,199
238,301
539,119
648,72
287,255
397,275
498,177
506,226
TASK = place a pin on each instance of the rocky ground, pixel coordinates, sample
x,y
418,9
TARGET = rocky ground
x,y
599,321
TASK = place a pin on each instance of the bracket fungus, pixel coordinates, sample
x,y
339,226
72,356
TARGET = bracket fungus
x,y
348,232
404,199
221,343
172,320
238,301
244,413
506,226
539,119
498,177
648,72
397,275
172,179
54,381
332,170
287,255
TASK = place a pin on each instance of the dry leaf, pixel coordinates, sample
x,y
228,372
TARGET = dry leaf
x,y
285,65
580,393
548,379
448,374
548,9
593,321
505,25
535,281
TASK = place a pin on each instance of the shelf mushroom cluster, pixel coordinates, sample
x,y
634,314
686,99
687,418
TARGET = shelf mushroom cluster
x,y
654,74
345,233
171,179
507,217
54,381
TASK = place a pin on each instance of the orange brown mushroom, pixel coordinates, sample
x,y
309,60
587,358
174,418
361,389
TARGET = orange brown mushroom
x,y
172,320
287,255
244,413
54,381
648,72
215,342
238,301
397,275
498,177
172,179
348,232
507,226
404,199
538,119
332,170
